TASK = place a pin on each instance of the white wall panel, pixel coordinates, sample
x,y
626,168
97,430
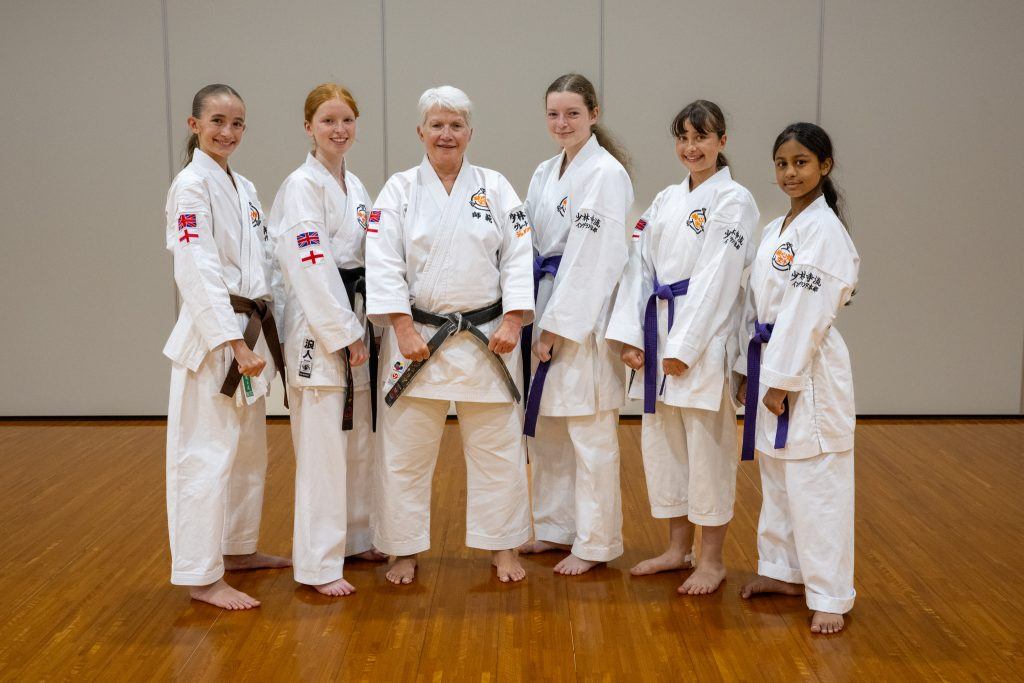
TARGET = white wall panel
x,y
274,54
84,298
504,55
924,103
759,65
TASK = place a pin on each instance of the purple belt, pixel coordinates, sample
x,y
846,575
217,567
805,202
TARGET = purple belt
x,y
762,333
542,265
669,294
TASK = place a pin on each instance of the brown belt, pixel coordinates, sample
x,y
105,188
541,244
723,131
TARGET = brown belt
x,y
260,317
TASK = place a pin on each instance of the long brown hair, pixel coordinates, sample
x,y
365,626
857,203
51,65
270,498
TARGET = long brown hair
x,y
581,85
198,102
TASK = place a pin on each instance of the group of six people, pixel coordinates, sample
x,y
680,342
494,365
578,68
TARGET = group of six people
x,y
449,288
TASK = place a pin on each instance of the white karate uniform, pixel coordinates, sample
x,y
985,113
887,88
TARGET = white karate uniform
x,y
316,228
576,495
689,443
800,280
216,445
444,254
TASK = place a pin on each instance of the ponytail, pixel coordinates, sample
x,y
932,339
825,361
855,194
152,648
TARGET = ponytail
x,y
198,102
613,147
834,198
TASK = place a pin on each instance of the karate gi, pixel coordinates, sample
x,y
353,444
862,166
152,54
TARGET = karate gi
x,y
448,254
216,444
576,494
317,228
689,441
800,280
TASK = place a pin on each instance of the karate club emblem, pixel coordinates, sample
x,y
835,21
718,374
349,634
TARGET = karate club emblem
x,y
256,219
783,257
563,205
362,217
696,220
479,200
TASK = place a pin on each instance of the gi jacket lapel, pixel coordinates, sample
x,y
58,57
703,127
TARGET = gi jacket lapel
x,y
430,292
220,177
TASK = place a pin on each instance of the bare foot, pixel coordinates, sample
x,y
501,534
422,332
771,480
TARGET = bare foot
x,y
574,566
667,561
762,584
256,560
826,622
371,555
337,588
403,570
507,565
532,547
220,594
705,580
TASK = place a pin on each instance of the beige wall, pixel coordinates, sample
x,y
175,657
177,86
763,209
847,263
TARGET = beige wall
x,y
920,98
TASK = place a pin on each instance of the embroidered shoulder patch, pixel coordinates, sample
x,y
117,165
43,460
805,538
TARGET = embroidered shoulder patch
x,y
307,239
519,222
803,279
373,222
188,229
587,221
639,228
732,236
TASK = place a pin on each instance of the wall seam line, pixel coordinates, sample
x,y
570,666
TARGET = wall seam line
x,y
821,57
384,88
600,51
169,118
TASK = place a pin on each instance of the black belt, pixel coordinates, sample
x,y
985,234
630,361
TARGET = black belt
x,y
261,316
448,326
355,283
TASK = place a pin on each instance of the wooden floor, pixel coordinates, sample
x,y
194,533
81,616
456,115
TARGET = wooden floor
x,y
84,568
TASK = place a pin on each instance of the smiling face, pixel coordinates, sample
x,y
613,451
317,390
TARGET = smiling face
x,y
797,169
445,135
219,126
569,120
333,128
699,151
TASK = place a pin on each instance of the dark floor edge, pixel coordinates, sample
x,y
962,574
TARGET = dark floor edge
x,y
622,418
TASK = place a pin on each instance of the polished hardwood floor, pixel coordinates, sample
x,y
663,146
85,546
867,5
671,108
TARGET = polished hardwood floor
x,y
84,567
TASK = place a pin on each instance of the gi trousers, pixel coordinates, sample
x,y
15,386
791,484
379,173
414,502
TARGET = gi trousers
x,y
216,465
805,532
690,459
334,481
576,494
497,501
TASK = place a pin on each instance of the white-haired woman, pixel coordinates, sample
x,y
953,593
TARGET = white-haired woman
x,y
448,257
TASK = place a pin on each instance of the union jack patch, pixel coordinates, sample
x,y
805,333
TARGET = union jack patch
x,y
186,220
308,239
374,221
640,225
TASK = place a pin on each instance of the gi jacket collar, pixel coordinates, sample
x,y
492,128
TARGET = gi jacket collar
x,y
591,149
435,188
321,171
720,178
205,163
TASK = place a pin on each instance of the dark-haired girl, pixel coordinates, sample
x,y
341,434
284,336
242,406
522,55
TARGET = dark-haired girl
x,y
577,203
799,386
676,315
216,417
